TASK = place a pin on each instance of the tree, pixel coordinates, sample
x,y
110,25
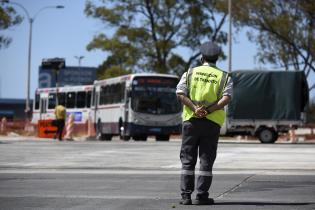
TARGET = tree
x,y
151,35
283,30
8,18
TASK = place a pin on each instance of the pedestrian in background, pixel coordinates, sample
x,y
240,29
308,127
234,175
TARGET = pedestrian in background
x,y
203,91
60,113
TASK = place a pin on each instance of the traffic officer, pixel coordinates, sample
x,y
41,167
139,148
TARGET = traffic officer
x,y
204,91
60,113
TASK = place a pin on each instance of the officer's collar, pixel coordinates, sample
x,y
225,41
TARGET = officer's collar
x,y
209,64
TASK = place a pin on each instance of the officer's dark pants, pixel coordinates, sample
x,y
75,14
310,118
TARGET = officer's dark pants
x,y
60,124
199,134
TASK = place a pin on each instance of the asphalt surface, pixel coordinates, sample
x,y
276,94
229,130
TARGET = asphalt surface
x,y
47,174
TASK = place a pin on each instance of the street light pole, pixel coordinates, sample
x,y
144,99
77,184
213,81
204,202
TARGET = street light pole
x,y
31,21
79,59
27,104
230,36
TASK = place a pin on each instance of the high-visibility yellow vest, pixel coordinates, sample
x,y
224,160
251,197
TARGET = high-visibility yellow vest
x,y
205,85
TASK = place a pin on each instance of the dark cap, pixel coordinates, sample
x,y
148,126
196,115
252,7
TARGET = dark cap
x,y
210,50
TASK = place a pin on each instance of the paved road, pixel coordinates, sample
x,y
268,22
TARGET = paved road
x,y
145,175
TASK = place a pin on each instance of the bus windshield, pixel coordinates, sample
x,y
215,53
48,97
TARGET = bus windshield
x,y
155,95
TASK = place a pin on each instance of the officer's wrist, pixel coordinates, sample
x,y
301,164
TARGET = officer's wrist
x,y
194,108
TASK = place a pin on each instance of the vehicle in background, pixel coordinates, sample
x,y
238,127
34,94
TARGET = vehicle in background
x,y
136,105
266,103
76,99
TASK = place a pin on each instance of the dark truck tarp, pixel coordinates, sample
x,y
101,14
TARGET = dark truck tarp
x,y
268,95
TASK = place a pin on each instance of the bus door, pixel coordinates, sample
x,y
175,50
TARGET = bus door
x,y
124,133
95,101
126,105
43,103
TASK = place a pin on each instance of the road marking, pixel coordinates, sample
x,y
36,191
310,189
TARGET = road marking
x,y
151,172
82,196
175,166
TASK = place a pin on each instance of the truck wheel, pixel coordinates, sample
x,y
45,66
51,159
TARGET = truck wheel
x,y
162,137
267,135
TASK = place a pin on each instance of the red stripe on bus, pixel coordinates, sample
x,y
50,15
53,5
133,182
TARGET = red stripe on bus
x,y
109,107
45,112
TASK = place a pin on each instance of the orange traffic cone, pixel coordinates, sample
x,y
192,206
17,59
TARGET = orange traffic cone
x,y
3,127
69,128
292,136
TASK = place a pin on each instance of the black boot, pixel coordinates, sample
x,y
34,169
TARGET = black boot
x,y
186,200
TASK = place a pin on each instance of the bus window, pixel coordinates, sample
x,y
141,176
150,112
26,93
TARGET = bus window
x,y
107,98
109,95
62,98
37,97
51,100
122,92
103,95
70,100
81,99
88,99
155,96
115,93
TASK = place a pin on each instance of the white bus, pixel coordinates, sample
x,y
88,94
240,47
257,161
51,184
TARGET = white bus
x,y
76,99
137,106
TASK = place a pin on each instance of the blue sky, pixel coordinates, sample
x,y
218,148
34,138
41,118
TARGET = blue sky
x,y
65,33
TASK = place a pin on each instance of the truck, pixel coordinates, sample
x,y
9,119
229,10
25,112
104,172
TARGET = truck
x,y
266,103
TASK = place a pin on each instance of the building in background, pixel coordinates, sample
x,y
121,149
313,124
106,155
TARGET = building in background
x,y
13,108
68,76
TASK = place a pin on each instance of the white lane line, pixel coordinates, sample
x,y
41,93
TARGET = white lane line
x,y
81,196
152,172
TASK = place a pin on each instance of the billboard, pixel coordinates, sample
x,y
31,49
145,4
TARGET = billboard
x,y
68,76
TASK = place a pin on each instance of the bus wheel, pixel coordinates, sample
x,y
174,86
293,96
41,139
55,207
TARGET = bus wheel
x,y
121,130
125,138
140,137
106,137
162,137
99,130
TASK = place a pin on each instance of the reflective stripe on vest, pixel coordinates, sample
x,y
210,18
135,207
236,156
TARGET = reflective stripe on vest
x,y
205,85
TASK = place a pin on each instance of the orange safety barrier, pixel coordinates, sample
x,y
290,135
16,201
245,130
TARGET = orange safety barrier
x,y
46,129
69,127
